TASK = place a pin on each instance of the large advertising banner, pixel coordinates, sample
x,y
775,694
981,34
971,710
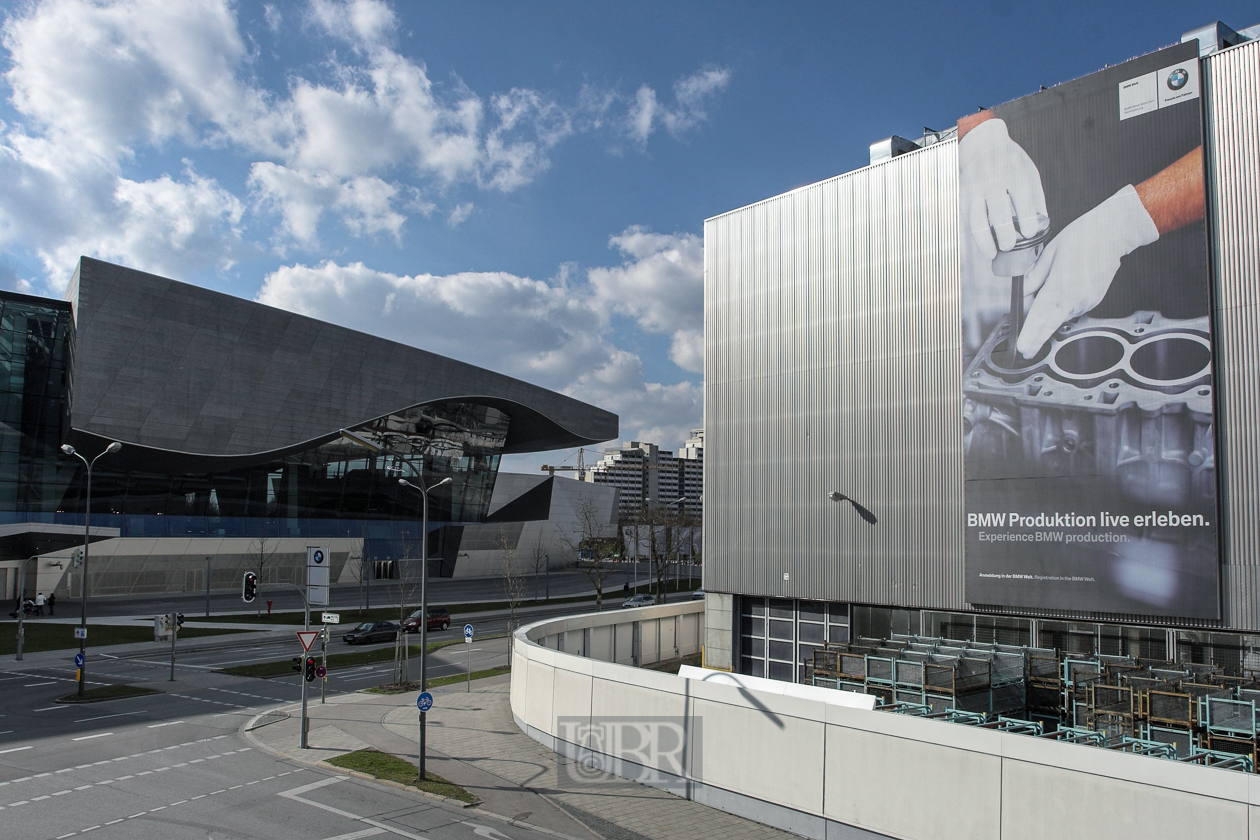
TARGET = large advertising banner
x,y
1088,404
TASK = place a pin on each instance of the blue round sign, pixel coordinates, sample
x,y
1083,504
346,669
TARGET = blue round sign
x,y
78,660
425,701
468,631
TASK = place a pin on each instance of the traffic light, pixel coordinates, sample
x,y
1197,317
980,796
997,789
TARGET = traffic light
x,y
297,664
310,669
179,619
249,587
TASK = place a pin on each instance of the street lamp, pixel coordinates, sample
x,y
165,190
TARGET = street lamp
x,y
837,496
424,598
87,526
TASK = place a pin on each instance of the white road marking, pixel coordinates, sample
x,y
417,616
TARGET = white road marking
x,y
90,737
16,749
356,835
296,795
33,685
168,723
103,717
49,708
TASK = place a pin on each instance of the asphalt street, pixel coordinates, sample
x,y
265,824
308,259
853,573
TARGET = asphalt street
x,y
179,765
563,584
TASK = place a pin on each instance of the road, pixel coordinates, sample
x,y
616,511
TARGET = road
x,y
441,591
179,765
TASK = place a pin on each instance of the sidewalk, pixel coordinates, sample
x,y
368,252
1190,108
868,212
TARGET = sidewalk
x,y
473,742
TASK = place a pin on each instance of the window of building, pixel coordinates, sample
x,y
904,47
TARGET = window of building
x,y
778,636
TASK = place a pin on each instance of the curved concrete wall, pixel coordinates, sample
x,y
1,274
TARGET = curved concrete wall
x,y
828,771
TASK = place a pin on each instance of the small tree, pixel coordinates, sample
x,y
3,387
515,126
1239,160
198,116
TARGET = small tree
x,y
591,544
261,555
406,580
539,561
513,573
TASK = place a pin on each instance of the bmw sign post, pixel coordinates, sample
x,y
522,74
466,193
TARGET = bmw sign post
x,y
468,634
316,593
424,702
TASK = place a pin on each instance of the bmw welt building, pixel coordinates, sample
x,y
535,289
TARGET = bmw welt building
x,y
247,434
999,386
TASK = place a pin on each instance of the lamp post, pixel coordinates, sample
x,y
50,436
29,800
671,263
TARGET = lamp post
x,y
424,598
87,538
21,601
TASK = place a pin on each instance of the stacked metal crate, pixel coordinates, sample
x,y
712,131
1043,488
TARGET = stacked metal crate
x,y
937,673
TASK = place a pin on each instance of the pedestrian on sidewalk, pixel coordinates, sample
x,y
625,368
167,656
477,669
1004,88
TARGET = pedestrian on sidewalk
x,y
52,602
39,603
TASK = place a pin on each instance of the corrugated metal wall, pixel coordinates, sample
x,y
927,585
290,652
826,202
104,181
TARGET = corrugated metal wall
x,y
1232,111
833,361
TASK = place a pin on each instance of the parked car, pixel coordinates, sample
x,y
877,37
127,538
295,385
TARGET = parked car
x,y
638,601
439,619
371,631
698,595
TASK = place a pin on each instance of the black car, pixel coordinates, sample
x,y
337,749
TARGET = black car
x,y
371,631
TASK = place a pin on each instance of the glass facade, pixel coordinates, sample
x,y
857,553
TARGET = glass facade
x,y
36,349
338,488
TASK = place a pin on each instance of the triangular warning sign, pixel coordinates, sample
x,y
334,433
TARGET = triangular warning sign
x,y
307,638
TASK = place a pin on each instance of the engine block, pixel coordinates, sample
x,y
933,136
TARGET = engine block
x,y
1126,398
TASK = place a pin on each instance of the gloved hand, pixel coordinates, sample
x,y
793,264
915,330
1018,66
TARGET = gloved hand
x,y
1077,267
1000,188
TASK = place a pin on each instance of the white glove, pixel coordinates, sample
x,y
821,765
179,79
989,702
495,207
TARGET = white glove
x,y
999,189
1077,267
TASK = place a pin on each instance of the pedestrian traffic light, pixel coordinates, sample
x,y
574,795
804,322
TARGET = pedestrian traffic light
x,y
297,664
249,587
310,669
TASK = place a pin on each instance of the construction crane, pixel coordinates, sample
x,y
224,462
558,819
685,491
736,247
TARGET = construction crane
x,y
580,468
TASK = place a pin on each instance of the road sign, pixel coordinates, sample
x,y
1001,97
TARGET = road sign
x,y
331,618
307,638
468,632
80,632
78,660
317,576
425,701
321,671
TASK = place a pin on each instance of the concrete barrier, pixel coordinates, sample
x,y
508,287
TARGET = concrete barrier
x,y
824,770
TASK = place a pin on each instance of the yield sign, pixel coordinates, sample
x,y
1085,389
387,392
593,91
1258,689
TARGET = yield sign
x,y
307,638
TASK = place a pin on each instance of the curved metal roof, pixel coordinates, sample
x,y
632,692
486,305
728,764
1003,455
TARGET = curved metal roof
x,y
169,366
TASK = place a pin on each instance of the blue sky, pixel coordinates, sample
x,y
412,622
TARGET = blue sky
x,y
517,185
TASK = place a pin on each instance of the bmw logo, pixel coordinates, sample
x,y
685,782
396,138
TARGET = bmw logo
x,y
319,557
1177,79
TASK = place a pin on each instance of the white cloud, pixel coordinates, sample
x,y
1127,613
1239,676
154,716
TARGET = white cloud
x,y
301,196
692,97
363,140
661,286
367,23
164,225
460,214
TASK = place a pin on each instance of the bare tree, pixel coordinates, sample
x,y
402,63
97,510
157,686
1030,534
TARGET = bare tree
x,y
261,555
513,573
405,581
540,562
589,539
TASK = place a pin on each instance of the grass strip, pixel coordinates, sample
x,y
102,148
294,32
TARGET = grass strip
x,y
284,667
394,769
37,636
108,692
439,682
